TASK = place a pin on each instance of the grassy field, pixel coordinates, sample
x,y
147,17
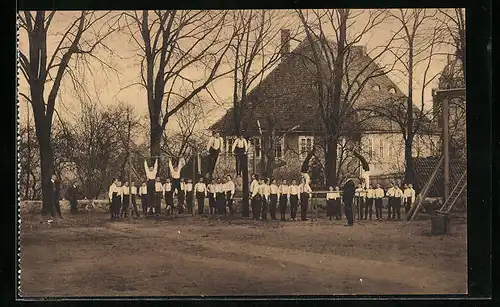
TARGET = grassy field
x,y
86,255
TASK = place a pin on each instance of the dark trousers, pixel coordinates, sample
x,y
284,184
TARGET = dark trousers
x,y
158,196
229,202
73,204
189,200
362,208
134,204
337,209
220,199
200,197
213,156
294,203
239,152
390,208
116,203
126,199
151,200
57,208
169,198
211,202
304,205
144,203
264,208
348,213
368,208
181,196
407,203
359,207
283,203
273,199
378,208
397,208
256,206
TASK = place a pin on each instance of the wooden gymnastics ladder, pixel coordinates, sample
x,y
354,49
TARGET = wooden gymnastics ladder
x,y
455,194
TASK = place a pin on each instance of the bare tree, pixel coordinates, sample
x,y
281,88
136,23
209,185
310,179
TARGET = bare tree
x,y
173,45
81,39
454,22
421,38
342,70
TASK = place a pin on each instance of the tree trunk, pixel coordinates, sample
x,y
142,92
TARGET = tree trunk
x,y
47,167
155,142
331,162
409,171
410,166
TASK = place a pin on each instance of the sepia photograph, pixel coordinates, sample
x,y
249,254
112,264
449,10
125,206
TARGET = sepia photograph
x,y
258,152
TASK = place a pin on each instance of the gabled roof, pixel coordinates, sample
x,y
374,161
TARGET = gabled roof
x,y
424,167
287,95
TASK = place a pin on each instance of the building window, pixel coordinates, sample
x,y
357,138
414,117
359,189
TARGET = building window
x,y
369,148
305,145
376,88
255,147
391,152
381,149
279,148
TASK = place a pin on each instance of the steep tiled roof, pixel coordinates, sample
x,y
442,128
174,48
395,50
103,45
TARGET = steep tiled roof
x,y
424,168
287,95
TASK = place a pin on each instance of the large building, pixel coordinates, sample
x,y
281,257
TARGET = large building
x,y
286,100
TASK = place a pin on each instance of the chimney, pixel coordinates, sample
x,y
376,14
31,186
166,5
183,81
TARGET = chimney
x,y
285,43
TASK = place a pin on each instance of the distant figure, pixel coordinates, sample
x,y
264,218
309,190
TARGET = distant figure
x,y
115,198
240,148
211,196
333,203
158,196
255,181
189,195
134,200
125,200
265,191
143,191
273,198
358,198
214,147
201,193
168,194
347,198
379,194
305,194
305,166
220,198
390,194
256,200
175,173
56,195
181,196
398,195
230,188
370,196
294,199
72,194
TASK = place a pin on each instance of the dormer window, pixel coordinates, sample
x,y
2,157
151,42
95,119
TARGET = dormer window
x,y
376,88
392,90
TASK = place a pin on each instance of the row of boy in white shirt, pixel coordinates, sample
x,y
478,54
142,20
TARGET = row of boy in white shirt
x,y
264,189
408,193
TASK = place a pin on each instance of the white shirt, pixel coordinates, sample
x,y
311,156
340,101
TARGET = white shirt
x,y
357,192
143,190
398,193
254,182
151,175
114,189
126,190
412,195
379,193
240,143
211,188
176,173
370,193
158,187
285,190
167,187
294,190
333,195
220,188
215,143
255,190
407,193
305,188
134,190
390,192
363,193
264,190
230,187
275,190
189,187
306,177
200,187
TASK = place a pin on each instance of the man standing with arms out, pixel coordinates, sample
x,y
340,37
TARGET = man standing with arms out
x,y
273,198
284,195
256,198
347,198
379,195
151,183
305,194
143,191
201,193
189,195
158,195
390,195
398,195
370,195
294,199
214,146
71,196
229,188
134,199
240,148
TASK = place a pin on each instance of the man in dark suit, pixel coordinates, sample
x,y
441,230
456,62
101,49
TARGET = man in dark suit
x,y
347,197
56,195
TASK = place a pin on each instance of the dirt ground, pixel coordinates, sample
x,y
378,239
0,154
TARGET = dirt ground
x,y
91,256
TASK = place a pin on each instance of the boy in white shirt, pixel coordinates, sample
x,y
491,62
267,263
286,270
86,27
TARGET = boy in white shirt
x,y
379,195
201,193
305,195
189,195
256,200
273,198
229,188
264,192
211,196
294,199
143,192
398,195
390,194
125,200
159,191
220,198
370,196
115,198
284,196
168,193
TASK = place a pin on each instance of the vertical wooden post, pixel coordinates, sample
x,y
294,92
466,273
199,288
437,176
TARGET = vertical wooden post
x,y
446,152
195,161
129,170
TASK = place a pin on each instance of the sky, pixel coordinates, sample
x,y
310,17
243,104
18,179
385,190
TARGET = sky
x,y
110,87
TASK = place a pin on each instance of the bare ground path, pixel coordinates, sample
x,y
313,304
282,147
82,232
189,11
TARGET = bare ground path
x,y
195,256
